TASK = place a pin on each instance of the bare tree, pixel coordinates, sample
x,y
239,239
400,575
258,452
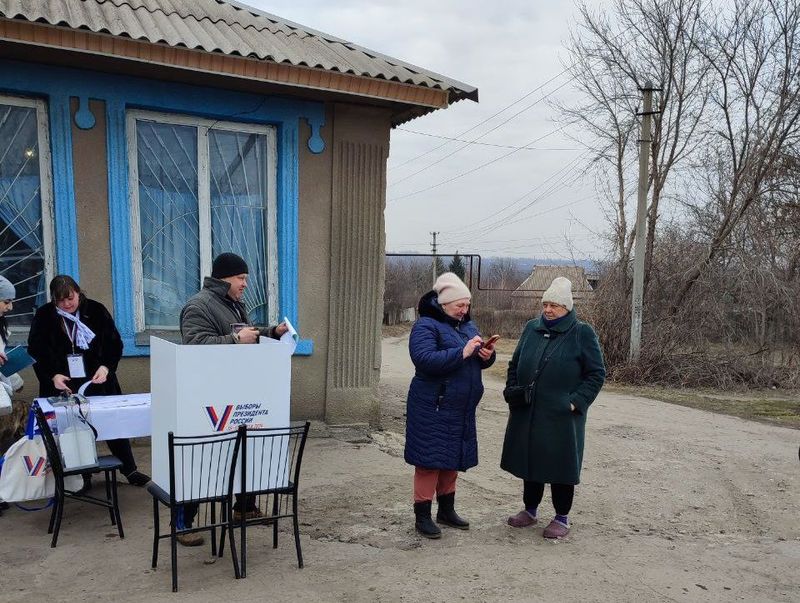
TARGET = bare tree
x,y
754,53
726,154
613,54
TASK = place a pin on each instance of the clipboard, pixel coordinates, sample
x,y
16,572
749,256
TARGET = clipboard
x,y
17,359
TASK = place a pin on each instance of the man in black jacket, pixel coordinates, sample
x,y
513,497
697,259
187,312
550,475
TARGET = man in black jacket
x,y
217,315
208,317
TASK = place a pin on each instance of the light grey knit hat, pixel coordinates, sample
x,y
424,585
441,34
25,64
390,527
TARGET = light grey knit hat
x,y
449,288
559,292
7,290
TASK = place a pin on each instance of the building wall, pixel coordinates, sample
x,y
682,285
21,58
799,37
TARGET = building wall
x,y
331,229
309,374
90,172
360,148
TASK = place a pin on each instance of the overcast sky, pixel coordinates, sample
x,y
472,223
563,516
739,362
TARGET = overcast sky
x,y
507,49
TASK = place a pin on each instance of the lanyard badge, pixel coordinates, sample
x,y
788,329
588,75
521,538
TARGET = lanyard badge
x,y
77,369
76,366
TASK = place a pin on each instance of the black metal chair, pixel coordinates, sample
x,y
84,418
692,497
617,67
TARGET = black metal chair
x,y
107,465
202,470
275,454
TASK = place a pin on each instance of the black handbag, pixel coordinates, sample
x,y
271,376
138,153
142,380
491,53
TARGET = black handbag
x,y
517,396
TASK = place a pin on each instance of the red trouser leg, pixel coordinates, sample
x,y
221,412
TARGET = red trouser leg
x,y
429,482
447,482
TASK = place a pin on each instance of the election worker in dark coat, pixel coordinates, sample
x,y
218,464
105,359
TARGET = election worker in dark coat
x,y
74,340
217,315
441,439
554,376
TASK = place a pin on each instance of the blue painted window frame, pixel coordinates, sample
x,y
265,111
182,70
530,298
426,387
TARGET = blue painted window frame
x,y
120,93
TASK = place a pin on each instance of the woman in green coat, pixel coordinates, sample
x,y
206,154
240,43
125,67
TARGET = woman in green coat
x,y
555,374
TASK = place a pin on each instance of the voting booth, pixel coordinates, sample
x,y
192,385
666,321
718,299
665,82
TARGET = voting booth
x,y
207,389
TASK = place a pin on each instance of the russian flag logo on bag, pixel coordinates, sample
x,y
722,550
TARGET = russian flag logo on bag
x,y
34,465
219,423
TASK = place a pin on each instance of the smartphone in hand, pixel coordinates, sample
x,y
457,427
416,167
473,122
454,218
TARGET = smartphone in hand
x,y
491,341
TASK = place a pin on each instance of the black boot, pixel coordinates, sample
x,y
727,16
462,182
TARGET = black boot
x,y
424,524
447,513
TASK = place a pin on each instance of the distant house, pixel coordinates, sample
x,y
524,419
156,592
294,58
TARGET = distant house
x,y
140,138
541,277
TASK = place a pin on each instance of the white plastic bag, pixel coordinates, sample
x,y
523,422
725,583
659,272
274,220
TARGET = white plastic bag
x,y
26,473
5,400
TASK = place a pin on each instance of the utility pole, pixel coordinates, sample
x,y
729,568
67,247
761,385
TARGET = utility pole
x,y
433,251
641,222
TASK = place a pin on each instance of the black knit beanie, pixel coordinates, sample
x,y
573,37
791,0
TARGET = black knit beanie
x,y
228,264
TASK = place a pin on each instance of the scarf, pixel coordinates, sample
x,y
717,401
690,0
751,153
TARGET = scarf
x,y
551,323
83,334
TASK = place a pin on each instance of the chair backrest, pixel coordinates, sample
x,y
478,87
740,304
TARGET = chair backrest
x,y
272,457
203,468
53,453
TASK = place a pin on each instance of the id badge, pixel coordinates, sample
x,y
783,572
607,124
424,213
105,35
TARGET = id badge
x,y
76,367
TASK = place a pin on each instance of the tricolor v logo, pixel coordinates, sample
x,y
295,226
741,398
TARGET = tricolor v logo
x,y
219,422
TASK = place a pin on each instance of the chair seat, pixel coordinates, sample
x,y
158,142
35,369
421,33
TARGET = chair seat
x,y
104,463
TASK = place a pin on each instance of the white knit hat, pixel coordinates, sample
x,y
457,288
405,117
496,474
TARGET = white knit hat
x,y
449,288
559,292
7,290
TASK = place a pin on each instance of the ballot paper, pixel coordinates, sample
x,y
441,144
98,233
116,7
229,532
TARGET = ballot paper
x,y
290,338
291,332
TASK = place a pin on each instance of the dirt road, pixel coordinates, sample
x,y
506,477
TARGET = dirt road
x,y
676,504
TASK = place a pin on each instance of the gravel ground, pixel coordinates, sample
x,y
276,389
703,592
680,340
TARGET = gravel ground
x,y
676,504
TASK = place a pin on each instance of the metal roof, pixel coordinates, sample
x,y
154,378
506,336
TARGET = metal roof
x,y
230,28
542,277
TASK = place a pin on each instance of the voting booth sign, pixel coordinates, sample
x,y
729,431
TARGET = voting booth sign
x,y
206,389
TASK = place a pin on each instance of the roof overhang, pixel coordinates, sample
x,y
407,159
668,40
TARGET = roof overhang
x,y
406,101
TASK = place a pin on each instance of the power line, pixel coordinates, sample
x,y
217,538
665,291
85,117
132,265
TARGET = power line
x,y
488,144
502,123
491,117
473,170
554,187
473,141
495,214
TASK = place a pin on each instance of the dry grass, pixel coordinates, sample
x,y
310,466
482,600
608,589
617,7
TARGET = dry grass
x,y
777,407
774,406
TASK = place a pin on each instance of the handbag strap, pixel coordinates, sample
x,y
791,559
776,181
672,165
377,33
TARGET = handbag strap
x,y
549,354
29,425
85,419
30,509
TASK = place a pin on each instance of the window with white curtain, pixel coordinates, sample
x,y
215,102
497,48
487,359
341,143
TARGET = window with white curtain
x,y
199,188
26,210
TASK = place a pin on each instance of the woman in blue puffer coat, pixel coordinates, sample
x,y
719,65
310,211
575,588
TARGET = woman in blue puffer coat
x,y
441,438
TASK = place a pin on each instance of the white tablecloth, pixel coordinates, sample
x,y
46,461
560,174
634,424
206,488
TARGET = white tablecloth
x,y
114,417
